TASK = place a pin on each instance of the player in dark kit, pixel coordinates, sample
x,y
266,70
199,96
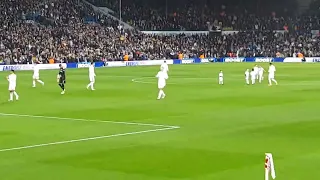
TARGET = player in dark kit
x,y
61,78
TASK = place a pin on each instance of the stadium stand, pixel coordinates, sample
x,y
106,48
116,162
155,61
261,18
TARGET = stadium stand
x,y
201,14
72,31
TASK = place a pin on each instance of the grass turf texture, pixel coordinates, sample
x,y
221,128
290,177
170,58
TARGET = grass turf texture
x,y
225,130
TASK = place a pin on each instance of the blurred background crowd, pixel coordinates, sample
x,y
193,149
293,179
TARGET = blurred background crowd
x,y
54,31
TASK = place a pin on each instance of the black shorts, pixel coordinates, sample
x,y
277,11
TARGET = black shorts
x,y
62,81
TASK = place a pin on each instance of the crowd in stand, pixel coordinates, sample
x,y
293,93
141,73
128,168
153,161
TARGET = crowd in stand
x,y
72,31
201,14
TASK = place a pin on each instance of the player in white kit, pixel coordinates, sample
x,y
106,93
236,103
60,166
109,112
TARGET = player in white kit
x,y
36,76
256,70
272,70
260,72
162,77
253,76
92,76
12,79
221,77
165,67
247,76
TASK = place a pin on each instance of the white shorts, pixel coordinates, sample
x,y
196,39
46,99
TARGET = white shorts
x,y
220,78
12,87
161,85
260,74
35,76
271,76
91,78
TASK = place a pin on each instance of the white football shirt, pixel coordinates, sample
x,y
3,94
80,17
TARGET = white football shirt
x,y
272,69
91,70
162,77
253,74
12,78
36,70
261,70
247,74
221,74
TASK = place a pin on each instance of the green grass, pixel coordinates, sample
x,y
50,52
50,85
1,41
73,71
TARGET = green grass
x,y
223,135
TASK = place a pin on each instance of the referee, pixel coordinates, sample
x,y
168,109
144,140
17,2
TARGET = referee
x,y
61,78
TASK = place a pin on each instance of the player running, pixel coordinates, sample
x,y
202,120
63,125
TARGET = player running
x,y
36,76
92,76
162,77
61,78
12,79
272,70
220,77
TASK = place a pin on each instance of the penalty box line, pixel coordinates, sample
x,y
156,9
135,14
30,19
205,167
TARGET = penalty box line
x,y
90,120
85,139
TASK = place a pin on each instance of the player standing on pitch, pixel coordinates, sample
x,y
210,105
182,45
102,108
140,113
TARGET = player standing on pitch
x,y
12,79
247,76
61,78
253,75
272,70
162,77
256,71
36,76
260,72
92,76
221,78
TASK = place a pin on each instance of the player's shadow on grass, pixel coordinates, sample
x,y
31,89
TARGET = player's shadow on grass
x,y
5,102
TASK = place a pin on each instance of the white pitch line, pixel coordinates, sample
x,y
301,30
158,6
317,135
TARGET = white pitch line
x,y
140,80
298,83
85,139
89,120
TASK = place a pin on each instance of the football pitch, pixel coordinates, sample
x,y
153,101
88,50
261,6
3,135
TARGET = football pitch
x,y
200,131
